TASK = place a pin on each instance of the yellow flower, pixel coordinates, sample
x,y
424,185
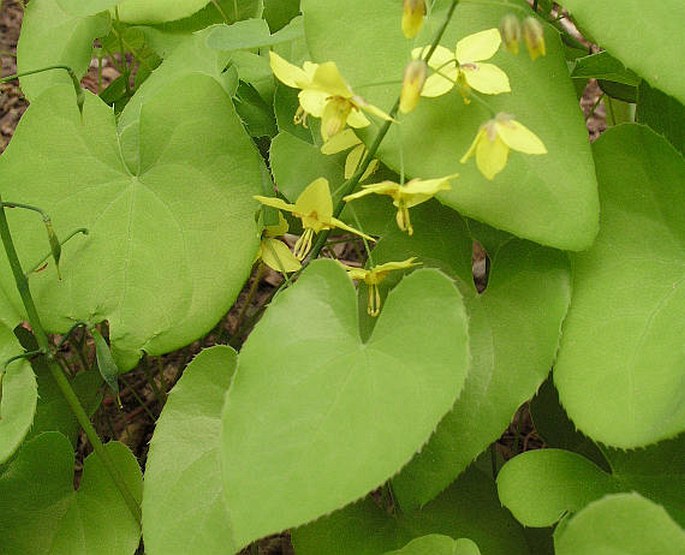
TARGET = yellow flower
x,y
314,207
405,196
344,140
376,275
412,17
276,254
465,66
534,37
414,78
325,94
494,140
510,31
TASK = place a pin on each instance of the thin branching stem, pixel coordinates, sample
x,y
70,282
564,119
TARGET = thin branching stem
x,y
44,346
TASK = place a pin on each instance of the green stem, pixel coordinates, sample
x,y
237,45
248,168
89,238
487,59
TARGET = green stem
x,y
350,185
122,53
43,341
73,234
80,96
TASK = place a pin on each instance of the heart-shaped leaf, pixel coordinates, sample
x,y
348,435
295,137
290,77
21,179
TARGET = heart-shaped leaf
x,y
514,331
567,482
172,235
551,199
620,366
51,36
18,395
611,23
623,523
158,11
437,544
43,514
183,502
315,418
468,508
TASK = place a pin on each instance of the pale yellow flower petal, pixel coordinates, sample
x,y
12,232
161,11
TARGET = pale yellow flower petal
x,y
441,61
353,159
420,190
382,188
275,203
518,137
472,149
281,228
334,117
412,17
486,78
357,119
478,46
340,142
342,225
276,255
327,78
288,73
313,102
315,202
491,156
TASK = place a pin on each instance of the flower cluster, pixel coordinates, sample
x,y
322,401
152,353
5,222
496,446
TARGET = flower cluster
x,y
433,71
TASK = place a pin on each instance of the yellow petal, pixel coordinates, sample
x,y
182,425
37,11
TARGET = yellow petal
x,y
534,37
315,203
491,156
518,137
479,46
353,159
443,63
327,78
342,225
288,73
370,108
281,228
412,17
357,119
334,116
481,135
276,255
382,270
382,188
415,75
486,78
313,102
340,142
420,190
275,202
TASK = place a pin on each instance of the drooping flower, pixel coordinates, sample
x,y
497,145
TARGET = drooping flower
x,y
314,207
534,37
274,253
465,67
510,31
344,140
405,196
325,94
375,275
413,13
494,140
415,75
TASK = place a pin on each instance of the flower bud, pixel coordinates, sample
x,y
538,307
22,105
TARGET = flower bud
x,y
412,17
414,78
534,35
510,29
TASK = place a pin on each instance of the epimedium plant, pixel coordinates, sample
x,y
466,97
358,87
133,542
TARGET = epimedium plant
x,y
360,417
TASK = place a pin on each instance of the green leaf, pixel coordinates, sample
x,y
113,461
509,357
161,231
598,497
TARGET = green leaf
x,y
619,370
251,33
620,524
172,237
603,65
279,12
514,331
105,362
183,503
662,113
650,51
567,482
468,508
337,417
158,11
18,395
550,199
564,482
437,544
83,8
55,519
49,36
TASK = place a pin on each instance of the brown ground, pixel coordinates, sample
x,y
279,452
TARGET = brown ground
x,y
144,390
